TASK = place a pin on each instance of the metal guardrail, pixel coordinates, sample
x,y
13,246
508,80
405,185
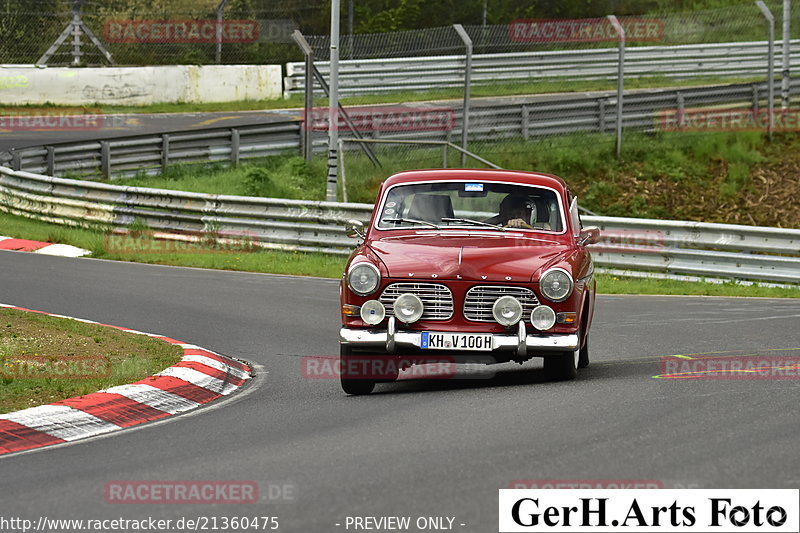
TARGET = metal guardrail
x,y
131,155
681,62
490,120
640,245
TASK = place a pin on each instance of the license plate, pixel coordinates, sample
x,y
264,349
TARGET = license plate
x,y
479,342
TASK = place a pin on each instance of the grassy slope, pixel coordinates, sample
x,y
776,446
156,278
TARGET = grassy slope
x,y
30,342
736,178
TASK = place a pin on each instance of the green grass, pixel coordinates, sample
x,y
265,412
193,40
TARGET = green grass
x,y
584,160
34,350
329,266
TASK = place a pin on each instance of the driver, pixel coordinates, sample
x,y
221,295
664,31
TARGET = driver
x,y
516,212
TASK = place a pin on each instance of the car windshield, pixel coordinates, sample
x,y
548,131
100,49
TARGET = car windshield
x,y
478,205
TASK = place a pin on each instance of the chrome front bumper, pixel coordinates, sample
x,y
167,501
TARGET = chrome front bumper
x,y
523,344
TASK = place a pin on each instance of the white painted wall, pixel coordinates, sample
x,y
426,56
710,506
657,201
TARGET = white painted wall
x,y
28,84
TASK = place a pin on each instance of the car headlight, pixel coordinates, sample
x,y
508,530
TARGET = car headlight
x,y
507,310
363,278
408,308
556,285
373,312
543,317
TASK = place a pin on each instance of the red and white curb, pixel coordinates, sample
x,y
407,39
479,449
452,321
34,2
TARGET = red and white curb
x,y
46,248
200,377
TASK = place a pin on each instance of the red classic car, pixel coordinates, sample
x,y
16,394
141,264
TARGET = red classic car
x,y
489,263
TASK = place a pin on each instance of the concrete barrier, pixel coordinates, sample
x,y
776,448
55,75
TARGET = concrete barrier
x,y
29,84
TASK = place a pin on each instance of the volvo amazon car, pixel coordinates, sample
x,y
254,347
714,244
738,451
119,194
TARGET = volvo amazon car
x,y
466,264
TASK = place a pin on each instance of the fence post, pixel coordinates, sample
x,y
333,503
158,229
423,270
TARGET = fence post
x,y
235,143
770,66
164,152
16,160
105,159
681,111
787,17
342,171
51,160
308,53
333,106
218,55
620,78
467,82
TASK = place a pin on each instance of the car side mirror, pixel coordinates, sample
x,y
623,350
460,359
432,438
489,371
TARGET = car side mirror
x,y
589,235
354,228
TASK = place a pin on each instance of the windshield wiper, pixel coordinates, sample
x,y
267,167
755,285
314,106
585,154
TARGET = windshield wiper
x,y
412,221
476,222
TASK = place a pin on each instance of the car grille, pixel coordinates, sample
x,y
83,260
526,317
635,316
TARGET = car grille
x,y
480,299
437,299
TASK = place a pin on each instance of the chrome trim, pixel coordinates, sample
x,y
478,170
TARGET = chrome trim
x,y
391,330
571,284
522,337
369,264
437,298
561,210
481,310
532,344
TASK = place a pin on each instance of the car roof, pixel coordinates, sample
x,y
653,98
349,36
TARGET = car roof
x,y
447,174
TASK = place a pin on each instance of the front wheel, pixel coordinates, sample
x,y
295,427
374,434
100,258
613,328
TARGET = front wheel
x,y
352,384
563,366
583,360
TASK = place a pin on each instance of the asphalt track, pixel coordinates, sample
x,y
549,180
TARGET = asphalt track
x,y
112,126
423,448
119,125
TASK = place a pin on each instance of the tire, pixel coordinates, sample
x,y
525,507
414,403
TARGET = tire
x,y
583,360
352,386
562,366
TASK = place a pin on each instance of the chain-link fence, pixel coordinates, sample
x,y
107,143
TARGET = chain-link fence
x,y
700,71
149,32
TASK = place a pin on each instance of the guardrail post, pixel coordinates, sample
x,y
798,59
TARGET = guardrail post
x,y
770,66
755,99
105,159
601,119
526,117
16,160
681,111
51,160
164,152
235,144
467,82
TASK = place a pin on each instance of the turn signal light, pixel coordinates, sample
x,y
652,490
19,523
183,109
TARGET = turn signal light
x,y
351,310
567,318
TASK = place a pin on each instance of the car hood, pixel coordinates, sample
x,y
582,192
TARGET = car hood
x,y
501,257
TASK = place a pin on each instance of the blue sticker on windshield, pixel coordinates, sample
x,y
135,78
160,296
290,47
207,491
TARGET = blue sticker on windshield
x,y
473,187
